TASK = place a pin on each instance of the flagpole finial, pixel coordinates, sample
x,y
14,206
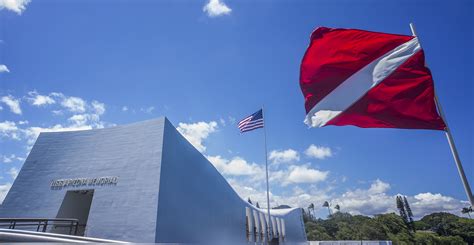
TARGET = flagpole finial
x,y
413,30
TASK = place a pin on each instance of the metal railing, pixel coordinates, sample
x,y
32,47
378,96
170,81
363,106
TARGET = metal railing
x,y
41,224
11,236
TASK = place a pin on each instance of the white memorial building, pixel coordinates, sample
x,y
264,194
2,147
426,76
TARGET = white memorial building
x,y
142,182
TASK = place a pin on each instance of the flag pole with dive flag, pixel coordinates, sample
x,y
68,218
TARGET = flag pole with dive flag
x,y
249,123
371,80
450,138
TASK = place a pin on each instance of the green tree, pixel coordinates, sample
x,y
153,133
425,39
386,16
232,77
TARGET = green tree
x,y
409,213
316,232
311,211
371,230
347,232
463,228
401,209
392,223
427,238
446,224
436,228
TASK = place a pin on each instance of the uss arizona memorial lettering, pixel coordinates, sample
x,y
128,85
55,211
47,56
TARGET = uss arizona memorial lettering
x,y
106,180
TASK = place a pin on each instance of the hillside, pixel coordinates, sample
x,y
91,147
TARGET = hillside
x,y
436,228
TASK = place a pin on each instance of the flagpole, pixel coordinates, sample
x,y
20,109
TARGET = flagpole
x,y
266,170
450,138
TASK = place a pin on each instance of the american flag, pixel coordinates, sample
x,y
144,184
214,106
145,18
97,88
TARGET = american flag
x,y
251,122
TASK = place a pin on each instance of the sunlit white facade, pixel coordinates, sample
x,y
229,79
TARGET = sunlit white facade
x,y
142,182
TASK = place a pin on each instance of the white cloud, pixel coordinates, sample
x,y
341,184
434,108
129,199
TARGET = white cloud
x,y
218,162
378,187
363,201
17,6
303,174
13,172
72,104
236,167
3,68
4,190
39,100
57,112
256,195
247,179
215,8
11,158
99,108
245,191
426,203
148,110
89,119
124,108
196,133
428,197
8,159
297,197
285,156
376,200
79,119
9,129
13,103
318,152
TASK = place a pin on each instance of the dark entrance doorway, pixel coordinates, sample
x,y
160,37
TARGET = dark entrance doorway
x,y
76,205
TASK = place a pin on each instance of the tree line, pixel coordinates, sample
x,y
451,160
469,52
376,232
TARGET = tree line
x,y
436,228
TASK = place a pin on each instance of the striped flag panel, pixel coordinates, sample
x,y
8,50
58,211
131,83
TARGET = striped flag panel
x,y
251,122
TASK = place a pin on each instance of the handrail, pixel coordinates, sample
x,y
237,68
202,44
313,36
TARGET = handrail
x,y
40,223
8,236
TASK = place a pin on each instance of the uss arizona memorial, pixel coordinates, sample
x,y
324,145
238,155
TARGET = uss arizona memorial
x,y
142,182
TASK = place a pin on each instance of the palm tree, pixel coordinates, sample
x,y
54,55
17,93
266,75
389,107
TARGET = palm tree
x,y
326,204
337,207
311,210
467,210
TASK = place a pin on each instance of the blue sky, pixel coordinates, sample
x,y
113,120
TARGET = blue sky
x,y
90,64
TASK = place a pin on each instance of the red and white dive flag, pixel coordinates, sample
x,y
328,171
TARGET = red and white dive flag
x,y
367,79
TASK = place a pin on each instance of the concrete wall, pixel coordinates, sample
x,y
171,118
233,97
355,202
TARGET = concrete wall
x,y
126,211
196,204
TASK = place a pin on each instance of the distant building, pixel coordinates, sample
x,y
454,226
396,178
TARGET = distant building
x,y
142,182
